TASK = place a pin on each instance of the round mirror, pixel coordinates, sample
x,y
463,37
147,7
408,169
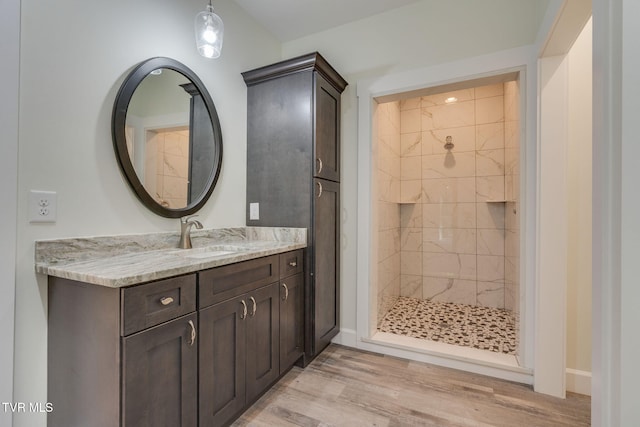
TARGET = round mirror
x,y
167,137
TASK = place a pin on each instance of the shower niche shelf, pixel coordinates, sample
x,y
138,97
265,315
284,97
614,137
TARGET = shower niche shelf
x,y
498,201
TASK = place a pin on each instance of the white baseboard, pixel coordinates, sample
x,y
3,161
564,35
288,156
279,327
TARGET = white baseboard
x,y
578,381
346,337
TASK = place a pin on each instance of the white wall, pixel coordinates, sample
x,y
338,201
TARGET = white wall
x,y
579,211
419,35
629,215
424,33
9,76
616,209
550,334
563,23
74,56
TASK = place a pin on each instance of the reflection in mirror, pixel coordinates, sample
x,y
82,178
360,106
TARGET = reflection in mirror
x,y
157,132
167,137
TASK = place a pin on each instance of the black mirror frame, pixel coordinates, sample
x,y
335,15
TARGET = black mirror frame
x,y
118,121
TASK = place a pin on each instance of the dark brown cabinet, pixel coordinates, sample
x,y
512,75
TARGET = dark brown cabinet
x,y
148,355
327,130
263,340
160,375
291,309
291,321
123,356
222,361
325,296
238,353
242,332
293,169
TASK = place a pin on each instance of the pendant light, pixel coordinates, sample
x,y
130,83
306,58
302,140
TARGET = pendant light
x,y
209,31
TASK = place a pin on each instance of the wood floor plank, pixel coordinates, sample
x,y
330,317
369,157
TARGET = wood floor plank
x,y
348,387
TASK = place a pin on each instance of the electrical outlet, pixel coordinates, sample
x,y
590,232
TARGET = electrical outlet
x,y
254,211
42,206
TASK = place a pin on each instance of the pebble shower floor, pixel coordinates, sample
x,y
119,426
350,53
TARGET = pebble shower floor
x,y
484,328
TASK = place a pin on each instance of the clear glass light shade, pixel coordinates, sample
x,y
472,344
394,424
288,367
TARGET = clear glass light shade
x,y
209,33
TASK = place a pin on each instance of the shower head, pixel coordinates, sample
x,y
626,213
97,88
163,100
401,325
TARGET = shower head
x,y
449,143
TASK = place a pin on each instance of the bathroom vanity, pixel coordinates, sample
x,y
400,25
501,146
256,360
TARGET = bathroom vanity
x,y
143,334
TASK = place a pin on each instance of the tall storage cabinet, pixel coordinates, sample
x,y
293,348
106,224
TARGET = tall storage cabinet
x,y
293,174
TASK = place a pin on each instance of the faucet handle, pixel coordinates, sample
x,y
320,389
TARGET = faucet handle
x,y
186,219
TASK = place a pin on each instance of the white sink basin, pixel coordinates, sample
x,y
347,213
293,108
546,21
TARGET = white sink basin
x,y
209,254
209,251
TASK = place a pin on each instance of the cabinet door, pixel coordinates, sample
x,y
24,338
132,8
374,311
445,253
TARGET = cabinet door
x,y
263,350
327,130
325,285
291,320
222,360
160,375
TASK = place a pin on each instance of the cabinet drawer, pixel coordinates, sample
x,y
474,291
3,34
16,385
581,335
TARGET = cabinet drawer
x,y
153,303
221,283
290,263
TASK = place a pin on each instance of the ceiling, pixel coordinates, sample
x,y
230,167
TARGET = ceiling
x,y
292,19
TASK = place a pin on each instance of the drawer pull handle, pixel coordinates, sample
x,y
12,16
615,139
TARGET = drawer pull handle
x,y
320,189
293,263
193,333
319,165
244,309
166,300
286,292
255,306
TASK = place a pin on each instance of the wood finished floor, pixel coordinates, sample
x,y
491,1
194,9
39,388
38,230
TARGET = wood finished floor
x,y
348,387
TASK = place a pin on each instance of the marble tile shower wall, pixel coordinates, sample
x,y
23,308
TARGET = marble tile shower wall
x,y
167,167
388,182
452,228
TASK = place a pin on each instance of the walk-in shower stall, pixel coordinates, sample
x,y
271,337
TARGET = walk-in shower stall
x,y
448,213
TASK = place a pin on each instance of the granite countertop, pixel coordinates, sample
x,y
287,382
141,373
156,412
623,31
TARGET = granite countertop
x,y
118,261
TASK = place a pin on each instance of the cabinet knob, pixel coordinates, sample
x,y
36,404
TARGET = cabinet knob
x,y
255,307
244,309
286,292
193,333
319,189
319,160
293,263
166,300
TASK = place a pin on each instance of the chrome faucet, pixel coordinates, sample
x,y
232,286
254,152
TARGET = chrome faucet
x,y
185,230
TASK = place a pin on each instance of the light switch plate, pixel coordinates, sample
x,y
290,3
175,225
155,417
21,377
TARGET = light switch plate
x,y
254,211
43,206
